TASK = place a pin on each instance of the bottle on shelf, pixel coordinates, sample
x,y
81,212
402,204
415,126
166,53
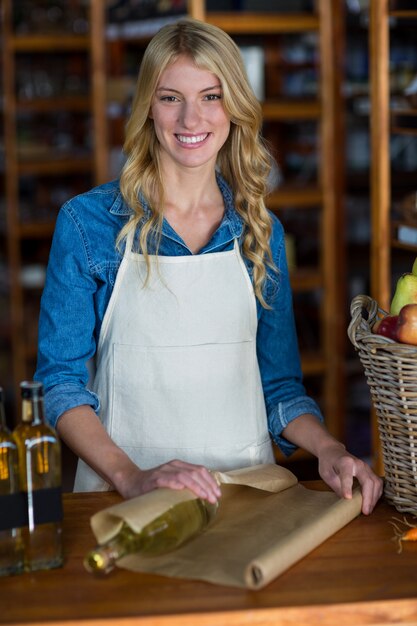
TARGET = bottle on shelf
x,y
40,479
165,533
11,545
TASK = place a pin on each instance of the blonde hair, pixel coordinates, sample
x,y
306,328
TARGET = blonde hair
x,y
243,160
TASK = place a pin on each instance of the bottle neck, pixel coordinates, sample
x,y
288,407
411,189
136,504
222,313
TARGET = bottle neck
x,y
103,559
32,411
32,402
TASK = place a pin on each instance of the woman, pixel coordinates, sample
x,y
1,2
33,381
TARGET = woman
x,y
175,280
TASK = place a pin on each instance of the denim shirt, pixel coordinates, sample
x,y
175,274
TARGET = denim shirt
x,y
81,274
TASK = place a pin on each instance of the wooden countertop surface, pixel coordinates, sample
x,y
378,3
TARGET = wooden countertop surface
x,y
356,577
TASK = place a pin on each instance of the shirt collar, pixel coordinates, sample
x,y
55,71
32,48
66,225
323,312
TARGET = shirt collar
x,y
119,206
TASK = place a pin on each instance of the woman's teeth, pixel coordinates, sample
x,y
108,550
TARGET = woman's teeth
x,y
193,139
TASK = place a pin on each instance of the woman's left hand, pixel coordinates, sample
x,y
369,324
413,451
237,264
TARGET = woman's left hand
x,y
338,468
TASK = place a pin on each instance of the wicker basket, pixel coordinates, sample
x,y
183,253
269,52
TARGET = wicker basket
x,y
391,373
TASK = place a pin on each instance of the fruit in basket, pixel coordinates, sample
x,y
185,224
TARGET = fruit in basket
x,y
407,324
401,327
387,327
405,292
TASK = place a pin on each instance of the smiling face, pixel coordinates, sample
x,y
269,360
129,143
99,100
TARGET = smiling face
x,y
188,115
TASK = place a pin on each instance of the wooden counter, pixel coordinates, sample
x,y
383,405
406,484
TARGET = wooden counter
x,y
356,577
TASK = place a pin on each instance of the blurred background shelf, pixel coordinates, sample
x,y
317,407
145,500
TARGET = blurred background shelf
x,y
54,143
393,53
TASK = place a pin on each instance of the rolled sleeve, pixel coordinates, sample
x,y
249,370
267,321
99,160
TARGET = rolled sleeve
x,y
282,414
64,397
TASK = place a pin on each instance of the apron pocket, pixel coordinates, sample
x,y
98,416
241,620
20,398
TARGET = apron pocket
x,y
186,397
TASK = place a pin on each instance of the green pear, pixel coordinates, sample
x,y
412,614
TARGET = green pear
x,y
414,269
405,292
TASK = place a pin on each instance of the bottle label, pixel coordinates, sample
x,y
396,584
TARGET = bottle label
x,y
46,507
13,510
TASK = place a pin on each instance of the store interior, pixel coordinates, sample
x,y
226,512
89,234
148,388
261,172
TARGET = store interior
x,y
68,73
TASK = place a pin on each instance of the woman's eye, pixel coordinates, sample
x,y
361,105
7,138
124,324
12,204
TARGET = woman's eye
x,y
169,99
213,96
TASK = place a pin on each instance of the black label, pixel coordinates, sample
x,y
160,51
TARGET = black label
x,y
46,505
13,510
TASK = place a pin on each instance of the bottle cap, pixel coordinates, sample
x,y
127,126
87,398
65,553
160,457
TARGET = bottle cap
x,y
31,389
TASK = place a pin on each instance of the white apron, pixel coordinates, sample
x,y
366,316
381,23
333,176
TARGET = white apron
x,y
177,373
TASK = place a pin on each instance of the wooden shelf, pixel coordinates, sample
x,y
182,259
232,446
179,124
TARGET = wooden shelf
x,y
273,23
404,14
288,110
58,104
306,279
49,43
56,167
36,230
313,364
412,111
403,130
287,196
401,245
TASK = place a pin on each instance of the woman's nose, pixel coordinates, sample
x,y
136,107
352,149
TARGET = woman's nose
x,y
190,114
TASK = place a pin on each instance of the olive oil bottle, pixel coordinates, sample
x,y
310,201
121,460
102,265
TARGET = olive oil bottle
x,y
11,545
40,479
165,533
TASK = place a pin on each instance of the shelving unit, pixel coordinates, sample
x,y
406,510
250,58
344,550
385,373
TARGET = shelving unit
x,y
389,257
54,122
318,284
357,211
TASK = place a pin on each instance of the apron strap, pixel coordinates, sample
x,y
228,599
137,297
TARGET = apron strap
x,y
129,240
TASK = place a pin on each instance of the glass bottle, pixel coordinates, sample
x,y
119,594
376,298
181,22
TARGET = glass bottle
x,y
40,478
165,533
11,545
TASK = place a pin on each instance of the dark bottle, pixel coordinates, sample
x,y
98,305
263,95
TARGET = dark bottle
x,y
165,533
11,545
40,479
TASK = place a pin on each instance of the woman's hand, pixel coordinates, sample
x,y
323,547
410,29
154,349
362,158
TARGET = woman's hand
x,y
338,468
80,426
173,475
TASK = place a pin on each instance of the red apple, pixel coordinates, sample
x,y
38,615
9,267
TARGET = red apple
x,y
387,326
407,324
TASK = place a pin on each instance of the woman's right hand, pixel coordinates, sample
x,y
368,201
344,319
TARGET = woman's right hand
x,y
79,426
172,475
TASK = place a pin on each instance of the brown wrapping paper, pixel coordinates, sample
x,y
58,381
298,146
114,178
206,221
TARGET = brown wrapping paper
x,y
266,522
